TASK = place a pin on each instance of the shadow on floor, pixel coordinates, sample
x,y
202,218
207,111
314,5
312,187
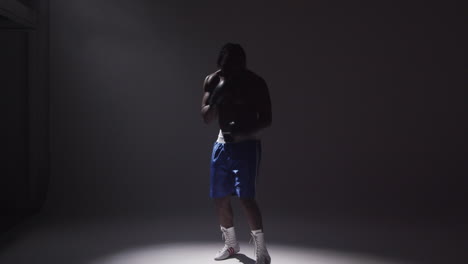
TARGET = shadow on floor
x,y
244,259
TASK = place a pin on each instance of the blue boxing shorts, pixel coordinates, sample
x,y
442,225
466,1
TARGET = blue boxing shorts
x,y
234,168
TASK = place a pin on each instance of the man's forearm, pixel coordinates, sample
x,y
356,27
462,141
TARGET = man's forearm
x,y
209,113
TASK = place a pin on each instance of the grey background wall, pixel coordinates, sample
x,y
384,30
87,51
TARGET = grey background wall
x,y
368,105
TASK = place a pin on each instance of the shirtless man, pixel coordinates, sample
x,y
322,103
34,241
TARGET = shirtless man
x,y
239,100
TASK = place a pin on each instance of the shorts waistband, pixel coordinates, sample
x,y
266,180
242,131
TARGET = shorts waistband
x,y
238,142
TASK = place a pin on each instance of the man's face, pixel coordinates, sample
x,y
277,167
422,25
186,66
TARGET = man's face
x,y
228,71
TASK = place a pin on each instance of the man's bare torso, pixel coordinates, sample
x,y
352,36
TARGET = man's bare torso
x,y
247,94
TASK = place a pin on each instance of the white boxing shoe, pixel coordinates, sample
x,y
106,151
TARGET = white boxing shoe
x,y
231,246
261,252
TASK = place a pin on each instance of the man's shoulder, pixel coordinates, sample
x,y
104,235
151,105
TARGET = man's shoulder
x,y
211,79
255,80
254,77
213,75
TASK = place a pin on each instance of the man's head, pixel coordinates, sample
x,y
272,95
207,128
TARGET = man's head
x,y
231,59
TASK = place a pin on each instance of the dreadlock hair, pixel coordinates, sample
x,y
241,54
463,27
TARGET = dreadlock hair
x,y
231,57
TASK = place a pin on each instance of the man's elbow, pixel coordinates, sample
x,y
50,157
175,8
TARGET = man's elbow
x,y
265,118
266,122
205,118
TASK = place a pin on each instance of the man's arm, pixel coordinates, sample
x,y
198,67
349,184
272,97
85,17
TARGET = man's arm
x,y
264,107
208,112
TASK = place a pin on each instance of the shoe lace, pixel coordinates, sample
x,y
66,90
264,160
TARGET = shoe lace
x,y
223,237
226,238
257,248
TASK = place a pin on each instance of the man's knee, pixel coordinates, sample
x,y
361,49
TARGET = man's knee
x,y
223,202
248,202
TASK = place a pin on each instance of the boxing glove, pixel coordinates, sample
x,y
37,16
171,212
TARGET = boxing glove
x,y
222,93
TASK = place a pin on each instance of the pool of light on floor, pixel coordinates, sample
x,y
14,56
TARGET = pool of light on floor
x,y
203,252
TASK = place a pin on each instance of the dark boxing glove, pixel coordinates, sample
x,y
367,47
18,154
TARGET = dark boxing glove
x,y
221,93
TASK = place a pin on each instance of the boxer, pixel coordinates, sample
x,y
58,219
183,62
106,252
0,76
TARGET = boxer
x,y
238,99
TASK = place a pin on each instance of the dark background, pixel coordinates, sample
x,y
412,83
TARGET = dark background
x,y
369,108
369,113
24,104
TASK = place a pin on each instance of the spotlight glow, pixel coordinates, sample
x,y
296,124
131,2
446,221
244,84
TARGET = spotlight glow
x,y
203,253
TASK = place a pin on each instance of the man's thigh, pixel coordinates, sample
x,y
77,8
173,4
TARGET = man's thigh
x,y
246,163
221,178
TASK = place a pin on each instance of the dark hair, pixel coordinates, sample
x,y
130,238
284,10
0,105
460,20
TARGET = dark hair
x,y
232,56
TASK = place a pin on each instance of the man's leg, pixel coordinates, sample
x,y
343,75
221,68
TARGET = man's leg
x,y
254,216
226,221
224,211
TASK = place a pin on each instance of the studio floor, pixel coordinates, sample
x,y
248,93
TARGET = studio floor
x,y
194,239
